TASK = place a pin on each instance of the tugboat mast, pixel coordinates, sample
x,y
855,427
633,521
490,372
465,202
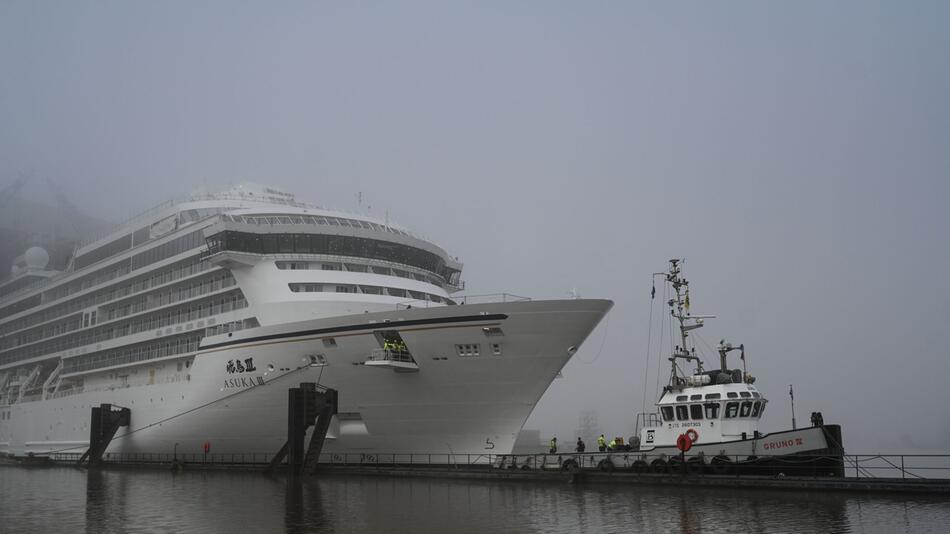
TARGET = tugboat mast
x,y
679,310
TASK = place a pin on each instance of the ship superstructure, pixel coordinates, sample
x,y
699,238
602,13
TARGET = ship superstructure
x,y
200,313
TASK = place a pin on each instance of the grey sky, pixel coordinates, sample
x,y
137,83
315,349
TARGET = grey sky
x,y
796,153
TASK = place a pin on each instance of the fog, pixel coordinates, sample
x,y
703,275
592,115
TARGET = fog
x,y
796,154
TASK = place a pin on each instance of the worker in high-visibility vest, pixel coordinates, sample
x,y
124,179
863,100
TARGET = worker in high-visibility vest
x,y
553,447
613,444
602,443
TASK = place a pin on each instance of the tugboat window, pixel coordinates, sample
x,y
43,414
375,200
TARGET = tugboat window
x,y
682,414
732,395
695,397
681,398
696,411
745,394
746,409
712,410
713,396
755,408
732,409
667,413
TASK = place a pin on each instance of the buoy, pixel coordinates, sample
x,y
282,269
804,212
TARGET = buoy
x,y
692,435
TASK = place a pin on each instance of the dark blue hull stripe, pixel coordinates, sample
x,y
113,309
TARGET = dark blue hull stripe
x,y
363,326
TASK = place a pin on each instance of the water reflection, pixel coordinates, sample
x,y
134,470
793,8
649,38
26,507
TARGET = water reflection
x,y
47,500
303,506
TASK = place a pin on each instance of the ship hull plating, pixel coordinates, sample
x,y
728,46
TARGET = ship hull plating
x,y
232,397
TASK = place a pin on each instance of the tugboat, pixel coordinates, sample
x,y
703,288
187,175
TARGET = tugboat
x,y
707,421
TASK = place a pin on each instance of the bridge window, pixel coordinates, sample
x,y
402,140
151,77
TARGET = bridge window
x,y
696,411
332,244
712,410
732,395
755,408
695,397
681,398
745,409
667,412
732,410
301,242
713,396
682,413
745,394
285,243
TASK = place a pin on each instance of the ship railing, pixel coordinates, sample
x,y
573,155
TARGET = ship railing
x,y
647,420
66,392
850,467
388,355
489,298
316,220
32,286
186,198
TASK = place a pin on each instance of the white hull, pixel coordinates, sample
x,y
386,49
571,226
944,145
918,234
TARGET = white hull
x,y
453,404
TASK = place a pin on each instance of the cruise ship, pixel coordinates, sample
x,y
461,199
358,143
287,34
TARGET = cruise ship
x,y
201,313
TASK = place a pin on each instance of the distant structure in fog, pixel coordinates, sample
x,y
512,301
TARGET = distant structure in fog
x,y
587,427
54,224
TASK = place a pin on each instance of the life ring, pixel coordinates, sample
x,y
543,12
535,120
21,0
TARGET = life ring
x,y
692,435
683,443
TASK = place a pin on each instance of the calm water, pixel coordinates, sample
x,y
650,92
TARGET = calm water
x,y
72,500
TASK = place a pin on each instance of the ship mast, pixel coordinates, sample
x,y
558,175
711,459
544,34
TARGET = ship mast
x,y
679,310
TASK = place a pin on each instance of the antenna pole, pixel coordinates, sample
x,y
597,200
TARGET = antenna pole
x,y
791,395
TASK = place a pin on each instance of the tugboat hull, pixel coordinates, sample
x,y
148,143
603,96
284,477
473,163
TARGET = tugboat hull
x,y
813,451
